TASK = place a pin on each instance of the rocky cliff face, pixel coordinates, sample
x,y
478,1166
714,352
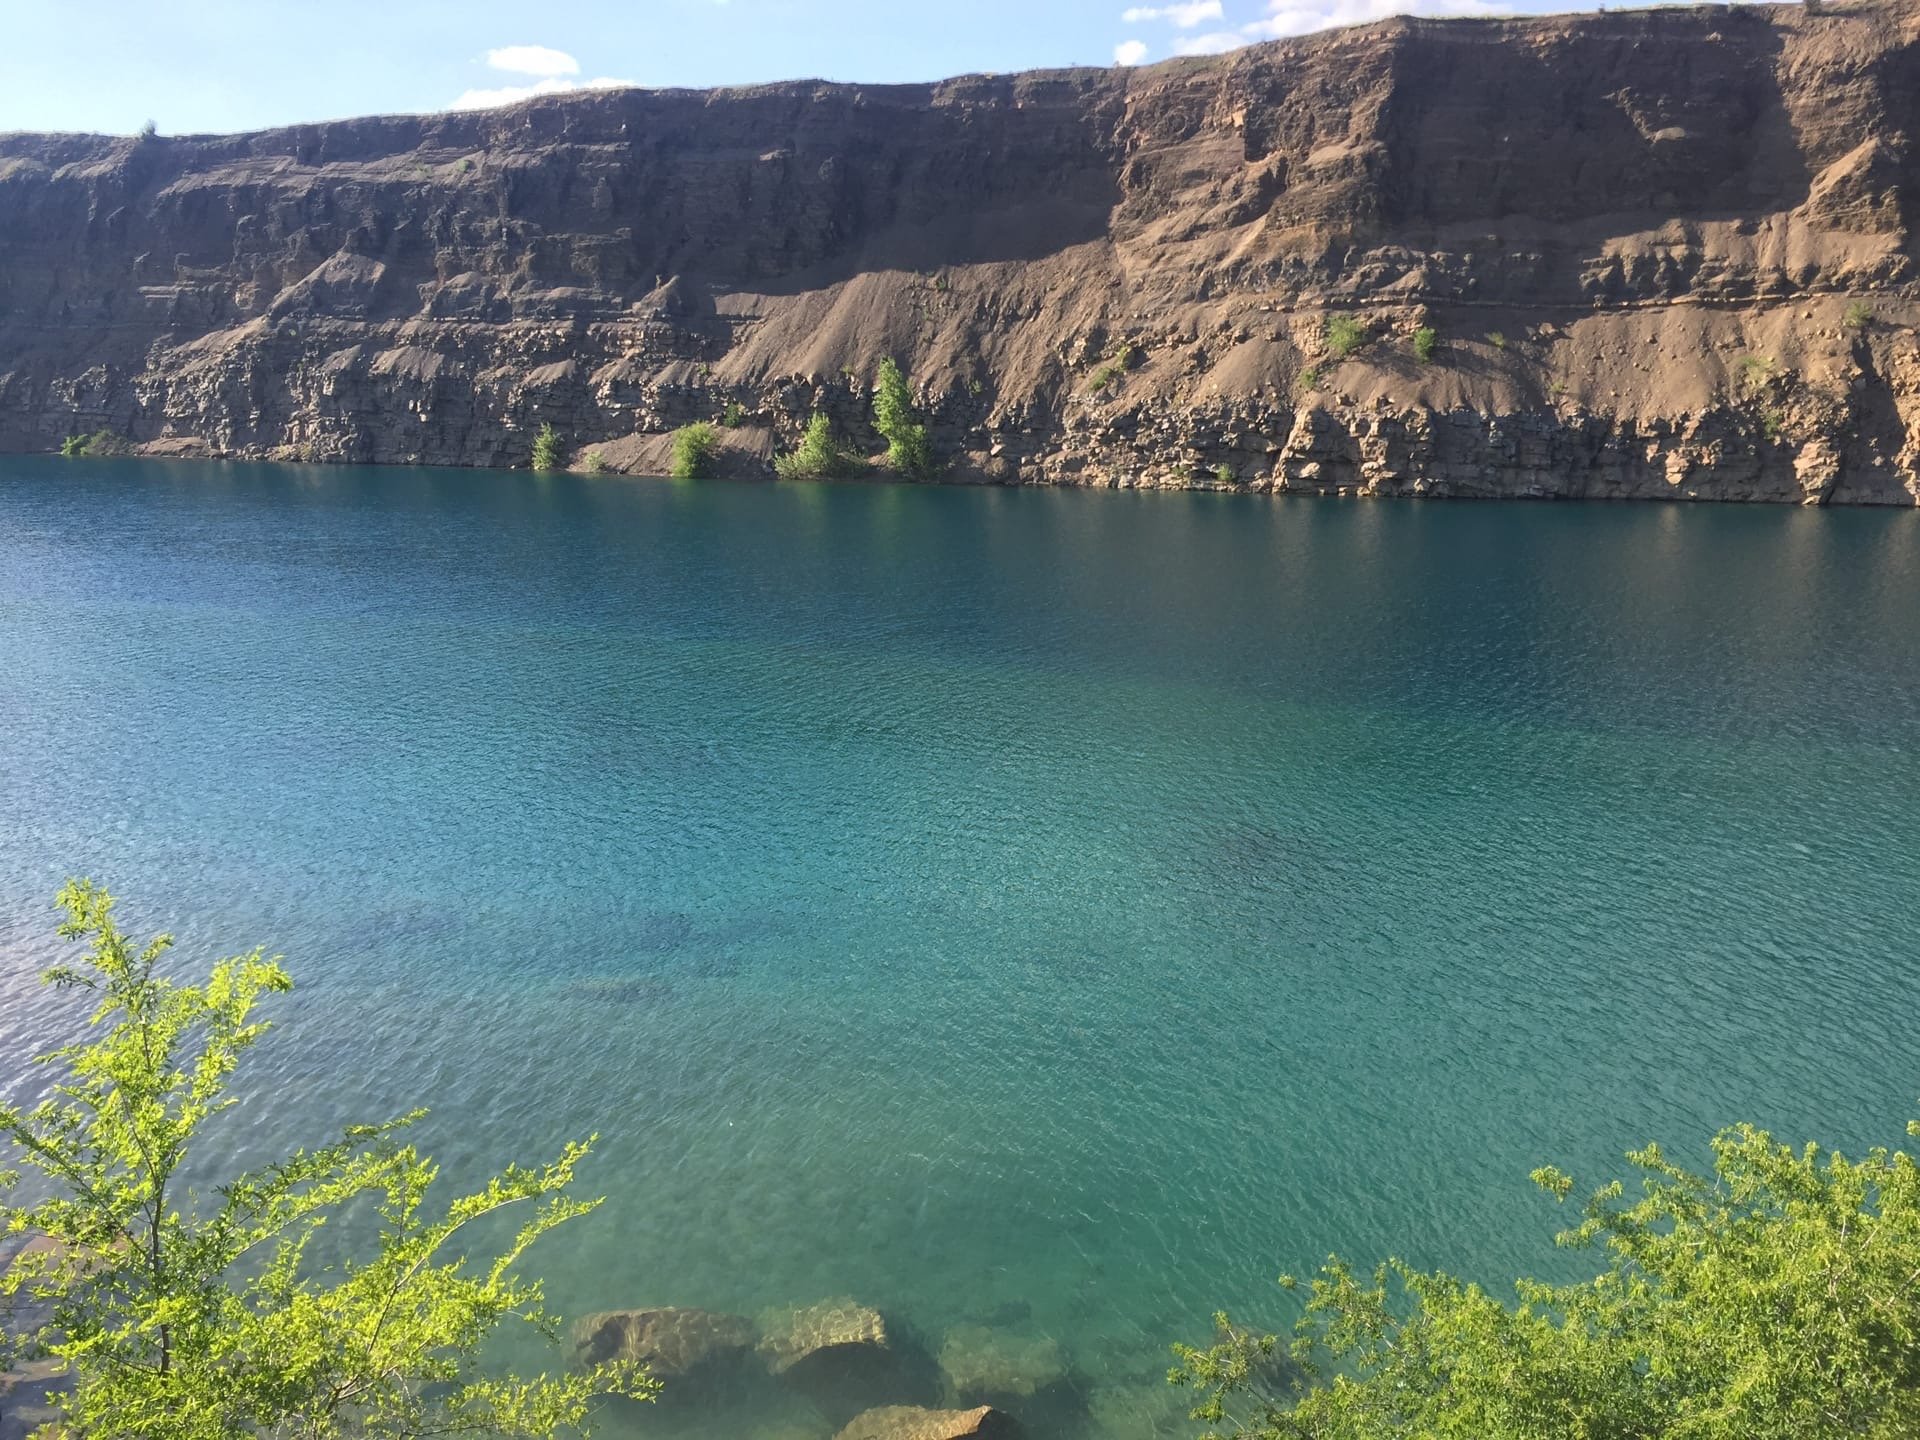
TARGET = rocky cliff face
x,y
1665,253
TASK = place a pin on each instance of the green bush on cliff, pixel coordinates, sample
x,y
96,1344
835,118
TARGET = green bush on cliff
x,y
1111,369
1755,371
91,447
1777,1298
179,1315
1859,313
694,447
546,449
818,456
1345,335
1425,340
908,449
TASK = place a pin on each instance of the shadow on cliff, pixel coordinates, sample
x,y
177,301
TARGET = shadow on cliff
x,y
1583,136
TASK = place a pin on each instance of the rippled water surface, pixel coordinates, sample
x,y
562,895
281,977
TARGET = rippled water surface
x,y
1058,912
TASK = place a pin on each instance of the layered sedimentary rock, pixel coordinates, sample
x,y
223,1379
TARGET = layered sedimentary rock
x,y
1665,253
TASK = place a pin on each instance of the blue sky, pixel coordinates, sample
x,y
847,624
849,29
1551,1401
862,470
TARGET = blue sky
x,y
208,65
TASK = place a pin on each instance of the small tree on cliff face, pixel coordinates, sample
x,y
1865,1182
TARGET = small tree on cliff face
x,y
546,449
184,1317
817,457
908,449
1776,1299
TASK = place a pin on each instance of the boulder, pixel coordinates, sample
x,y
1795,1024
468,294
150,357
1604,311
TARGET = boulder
x,y
673,1343
910,1422
984,1364
840,1355
833,1335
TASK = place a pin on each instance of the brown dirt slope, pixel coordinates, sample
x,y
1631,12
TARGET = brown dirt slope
x,y
1663,253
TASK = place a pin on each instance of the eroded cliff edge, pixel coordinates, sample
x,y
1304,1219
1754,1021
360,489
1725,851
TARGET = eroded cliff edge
x,y
1663,253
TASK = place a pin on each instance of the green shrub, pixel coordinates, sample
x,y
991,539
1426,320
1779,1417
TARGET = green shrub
x,y
1754,371
546,449
693,449
1424,341
818,456
207,1313
595,463
1223,473
735,415
1111,369
1496,340
908,449
1345,335
1857,316
1773,422
1309,379
1773,1298
92,447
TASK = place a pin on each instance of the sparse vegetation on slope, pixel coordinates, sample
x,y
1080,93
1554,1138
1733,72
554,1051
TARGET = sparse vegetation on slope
x,y
1111,369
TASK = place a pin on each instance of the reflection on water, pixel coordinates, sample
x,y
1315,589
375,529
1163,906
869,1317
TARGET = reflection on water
x,y
1039,918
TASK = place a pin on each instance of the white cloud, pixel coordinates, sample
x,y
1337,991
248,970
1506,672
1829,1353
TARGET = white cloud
x,y
532,60
514,94
553,73
1130,52
1303,17
1185,14
1216,42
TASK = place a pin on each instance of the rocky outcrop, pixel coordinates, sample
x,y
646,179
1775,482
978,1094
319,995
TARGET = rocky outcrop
x,y
910,1422
1653,254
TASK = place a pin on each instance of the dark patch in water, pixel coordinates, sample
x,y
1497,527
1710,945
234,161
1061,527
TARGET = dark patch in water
x,y
650,990
1004,1317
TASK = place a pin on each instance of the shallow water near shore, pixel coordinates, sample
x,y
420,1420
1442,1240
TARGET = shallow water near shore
x,y
1058,912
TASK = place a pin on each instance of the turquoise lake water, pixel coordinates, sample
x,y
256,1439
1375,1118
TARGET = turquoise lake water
x,y
1061,911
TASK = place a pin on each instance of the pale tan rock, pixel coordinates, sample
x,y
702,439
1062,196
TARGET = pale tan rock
x,y
821,1335
910,1422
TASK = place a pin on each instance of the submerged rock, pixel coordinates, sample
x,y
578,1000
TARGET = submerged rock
x,y
911,1422
841,1356
823,1338
980,1363
673,1343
